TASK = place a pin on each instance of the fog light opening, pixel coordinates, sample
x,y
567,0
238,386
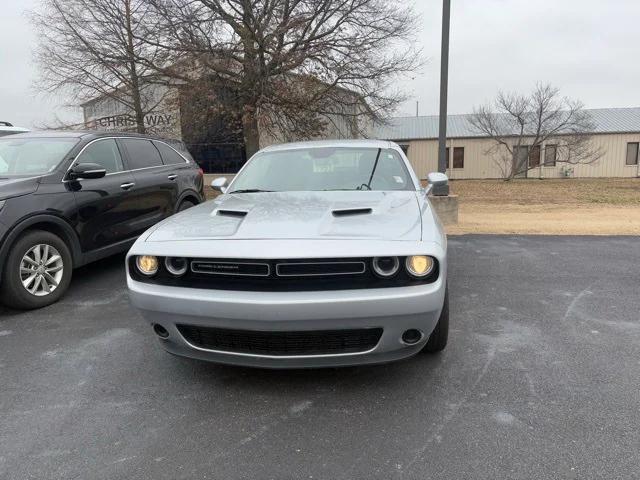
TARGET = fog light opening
x,y
411,336
160,331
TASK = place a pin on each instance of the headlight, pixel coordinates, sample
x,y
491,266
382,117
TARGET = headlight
x,y
386,267
147,265
419,265
176,265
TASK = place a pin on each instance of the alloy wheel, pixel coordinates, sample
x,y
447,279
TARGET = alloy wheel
x,y
41,270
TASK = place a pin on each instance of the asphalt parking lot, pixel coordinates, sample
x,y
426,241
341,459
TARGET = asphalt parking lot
x,y
540,380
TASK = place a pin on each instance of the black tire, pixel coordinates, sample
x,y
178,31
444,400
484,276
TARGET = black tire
x,y
184,205
12,291
438,339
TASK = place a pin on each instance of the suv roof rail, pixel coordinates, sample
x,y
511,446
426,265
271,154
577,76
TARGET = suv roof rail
x,y
6,124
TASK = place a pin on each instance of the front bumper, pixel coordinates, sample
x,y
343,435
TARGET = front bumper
x,y
392,309
4,249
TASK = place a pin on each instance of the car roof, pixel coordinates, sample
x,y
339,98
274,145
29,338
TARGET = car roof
x,y
85,133
361,143
11,128
48,134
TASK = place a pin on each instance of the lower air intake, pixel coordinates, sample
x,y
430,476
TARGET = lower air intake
x,y
318,342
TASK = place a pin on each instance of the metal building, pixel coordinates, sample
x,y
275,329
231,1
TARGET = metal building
x,y
617,133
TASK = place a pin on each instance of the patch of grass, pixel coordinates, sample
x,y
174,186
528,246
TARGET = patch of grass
x,y
574,191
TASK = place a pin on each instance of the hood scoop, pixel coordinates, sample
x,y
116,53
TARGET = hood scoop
x,y
232,213
347,212
295,216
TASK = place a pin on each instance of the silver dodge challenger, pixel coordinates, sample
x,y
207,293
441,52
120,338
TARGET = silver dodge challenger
x,y
317,254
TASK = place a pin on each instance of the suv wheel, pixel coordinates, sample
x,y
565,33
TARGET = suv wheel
x,y
37,272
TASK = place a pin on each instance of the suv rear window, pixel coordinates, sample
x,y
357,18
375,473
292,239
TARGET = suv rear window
x,y
142,153
169,155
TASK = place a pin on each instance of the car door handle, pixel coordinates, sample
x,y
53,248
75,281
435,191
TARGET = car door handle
x,y
127,186
173,176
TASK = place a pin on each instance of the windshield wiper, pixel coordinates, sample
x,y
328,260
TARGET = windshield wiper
x,y
251,190
375,165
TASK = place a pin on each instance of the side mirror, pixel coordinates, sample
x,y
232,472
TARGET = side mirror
x,y
218,184
437,179
86,170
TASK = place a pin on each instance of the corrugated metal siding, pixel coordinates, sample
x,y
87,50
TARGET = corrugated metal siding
x,y
423,155
606,120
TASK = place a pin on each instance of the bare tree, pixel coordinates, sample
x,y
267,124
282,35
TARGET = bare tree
x,y
90,49
296,66
520,125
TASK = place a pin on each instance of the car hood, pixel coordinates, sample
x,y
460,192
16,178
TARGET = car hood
x,y
17,186
298,215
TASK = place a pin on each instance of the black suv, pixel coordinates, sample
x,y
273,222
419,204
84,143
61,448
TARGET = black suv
x,y
69,198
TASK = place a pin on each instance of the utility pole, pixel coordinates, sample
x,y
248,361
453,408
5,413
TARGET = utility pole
x,y
444,81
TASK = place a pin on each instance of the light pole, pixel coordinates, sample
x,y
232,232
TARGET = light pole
x,y
444,80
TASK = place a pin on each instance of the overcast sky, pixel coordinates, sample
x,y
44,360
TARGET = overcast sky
x,y
588,48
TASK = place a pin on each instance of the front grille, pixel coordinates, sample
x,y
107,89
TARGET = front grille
x,y
314,269
220,267
320,342
281,275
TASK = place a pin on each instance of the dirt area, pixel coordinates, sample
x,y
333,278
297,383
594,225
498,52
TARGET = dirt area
x,y
563,206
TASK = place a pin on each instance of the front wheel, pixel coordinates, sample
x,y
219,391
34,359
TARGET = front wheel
x,y
37,271
438,339
185,204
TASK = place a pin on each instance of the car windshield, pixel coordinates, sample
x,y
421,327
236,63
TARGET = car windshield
x,y
32,156
314,169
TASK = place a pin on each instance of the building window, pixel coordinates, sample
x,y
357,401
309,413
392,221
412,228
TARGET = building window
x,y
632,153
458,157
550,153
534,156
448,155
522,154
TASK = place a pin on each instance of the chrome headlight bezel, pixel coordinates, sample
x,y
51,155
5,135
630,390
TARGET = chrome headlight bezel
x,y
176,272
382,273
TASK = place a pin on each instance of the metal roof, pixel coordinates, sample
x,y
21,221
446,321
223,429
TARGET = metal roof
x,y
606,120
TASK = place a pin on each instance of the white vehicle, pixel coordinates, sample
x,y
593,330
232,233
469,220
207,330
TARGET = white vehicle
x,y
317,254
7,128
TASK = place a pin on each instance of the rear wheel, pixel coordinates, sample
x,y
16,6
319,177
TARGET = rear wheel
x,y
37,271
438,339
